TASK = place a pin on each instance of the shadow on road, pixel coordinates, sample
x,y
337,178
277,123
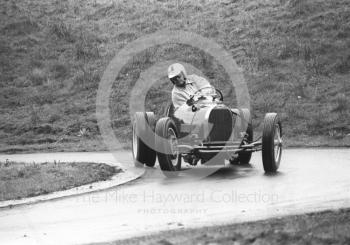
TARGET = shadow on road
x,y
277,174
233,172
185,176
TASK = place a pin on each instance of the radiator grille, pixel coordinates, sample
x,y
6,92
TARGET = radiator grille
x,y
221,122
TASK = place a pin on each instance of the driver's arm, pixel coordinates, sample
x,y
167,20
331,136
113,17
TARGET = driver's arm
x,y
200,82
178,98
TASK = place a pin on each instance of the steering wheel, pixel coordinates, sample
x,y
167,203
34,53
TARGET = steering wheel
x,y
198,92
221,98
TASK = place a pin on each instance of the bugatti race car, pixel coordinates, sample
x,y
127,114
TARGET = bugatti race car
x,y
204,130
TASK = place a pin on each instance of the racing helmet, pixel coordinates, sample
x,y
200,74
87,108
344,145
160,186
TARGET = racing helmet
x,y
175,69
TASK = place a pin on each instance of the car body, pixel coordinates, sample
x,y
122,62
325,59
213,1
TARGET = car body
x,y
204,130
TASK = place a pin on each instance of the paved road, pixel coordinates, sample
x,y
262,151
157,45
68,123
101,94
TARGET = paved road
x,y
308,180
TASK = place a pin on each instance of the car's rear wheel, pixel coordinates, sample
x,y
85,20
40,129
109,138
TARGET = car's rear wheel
x,y
143,139
271,143
169,157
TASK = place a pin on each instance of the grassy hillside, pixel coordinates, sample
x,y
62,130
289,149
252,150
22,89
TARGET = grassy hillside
x,y
295,55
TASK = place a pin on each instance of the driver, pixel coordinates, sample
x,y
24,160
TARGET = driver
x,y
184,85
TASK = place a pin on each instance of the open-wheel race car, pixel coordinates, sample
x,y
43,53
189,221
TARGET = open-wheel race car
x,y
204,130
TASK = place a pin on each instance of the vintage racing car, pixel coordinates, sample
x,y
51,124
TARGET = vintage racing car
x,y
204,130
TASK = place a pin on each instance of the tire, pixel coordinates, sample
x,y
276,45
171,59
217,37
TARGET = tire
x,y
143,128
169,161
271,143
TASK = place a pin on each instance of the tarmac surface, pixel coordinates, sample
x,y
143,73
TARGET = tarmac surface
x,y
308,180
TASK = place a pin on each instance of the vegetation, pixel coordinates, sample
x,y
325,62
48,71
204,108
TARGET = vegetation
x,y
328,227
19,180
294,55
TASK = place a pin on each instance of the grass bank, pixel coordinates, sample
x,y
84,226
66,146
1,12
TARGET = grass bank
x,y
330,227
19,180
294,55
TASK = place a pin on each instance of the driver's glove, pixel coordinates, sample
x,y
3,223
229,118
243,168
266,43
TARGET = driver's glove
x,y
190,101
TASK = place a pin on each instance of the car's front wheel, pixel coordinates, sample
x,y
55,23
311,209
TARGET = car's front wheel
x,y
271,143
166,141
143,139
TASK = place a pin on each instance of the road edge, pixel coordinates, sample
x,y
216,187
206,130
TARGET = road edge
x,y
123,177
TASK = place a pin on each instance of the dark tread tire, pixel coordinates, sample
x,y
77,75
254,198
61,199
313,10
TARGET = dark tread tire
x,y
270,163
163,146
144,125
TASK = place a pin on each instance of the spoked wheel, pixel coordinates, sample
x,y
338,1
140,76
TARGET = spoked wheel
x,y
271,143
169,157
143,139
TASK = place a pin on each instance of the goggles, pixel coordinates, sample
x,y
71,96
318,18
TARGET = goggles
x,y
174,79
